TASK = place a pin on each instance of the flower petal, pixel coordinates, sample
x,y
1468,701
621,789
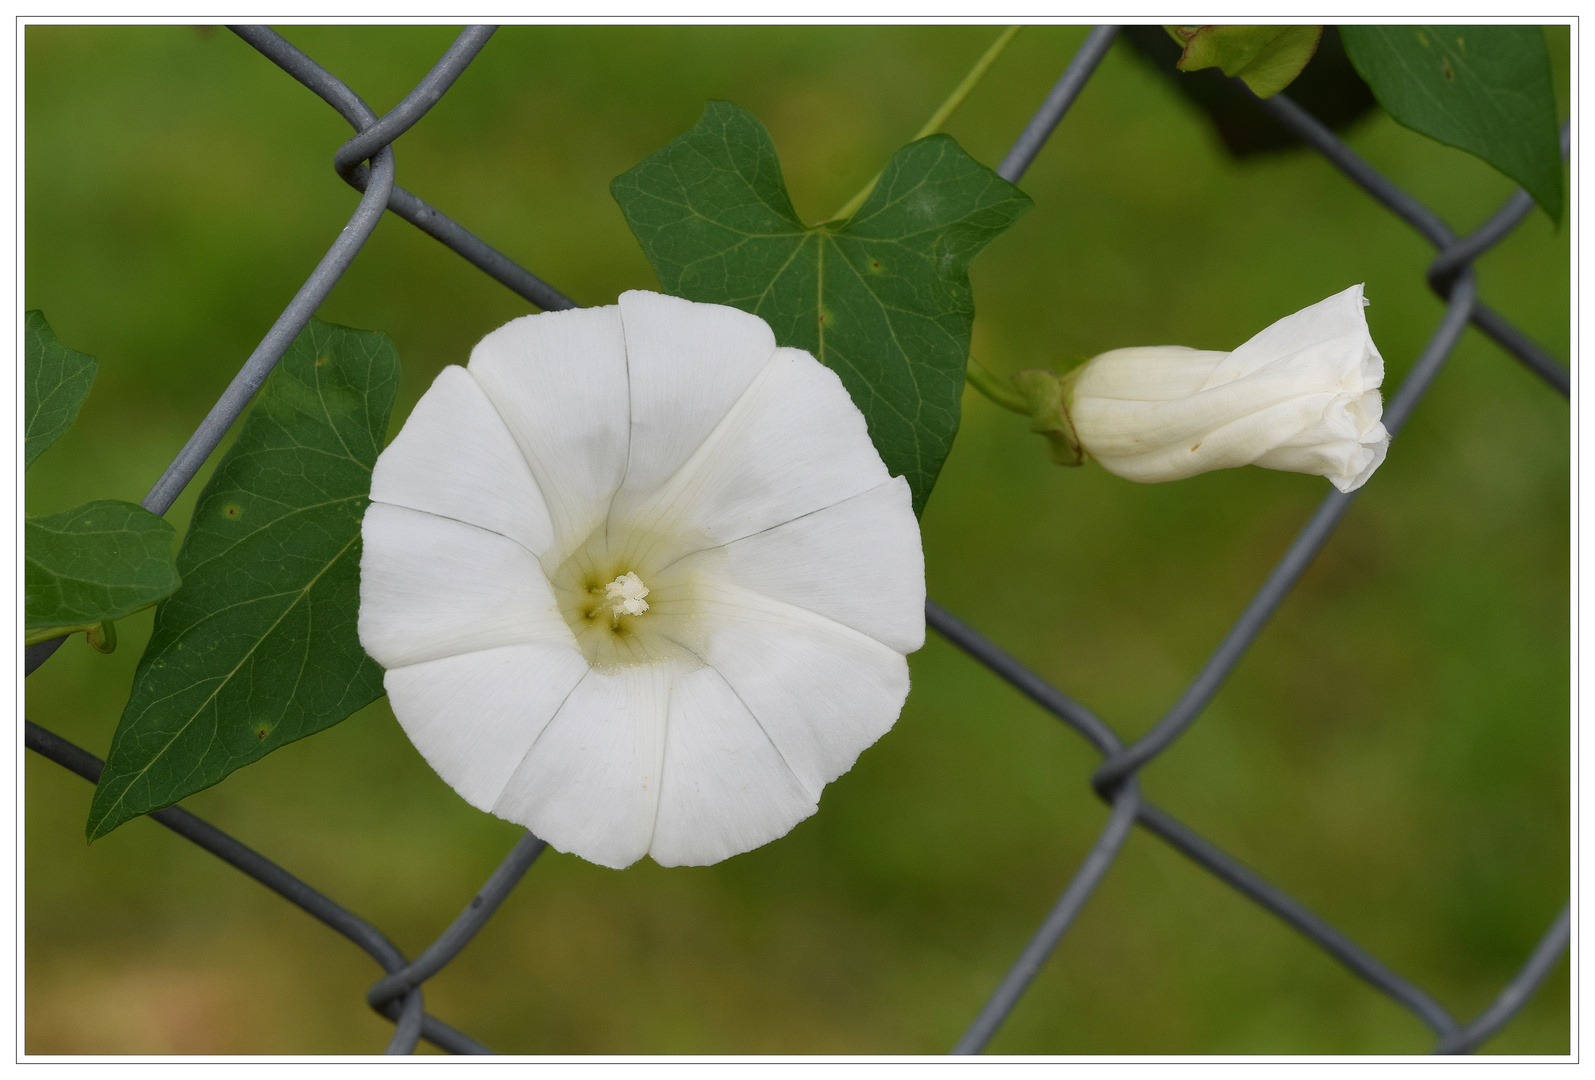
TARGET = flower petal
x,y
1229,424
433,587
1211,436
1146,373
559,381
688,365
793,443
858,562
821,691
1346,444
473,717
726,788
590,783
1332,332
454,457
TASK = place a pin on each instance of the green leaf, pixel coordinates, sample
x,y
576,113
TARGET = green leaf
x,y
58,381
1483,89
1266,58
259,646
882,299
102,560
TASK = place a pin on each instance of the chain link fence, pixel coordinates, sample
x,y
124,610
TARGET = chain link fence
x,y
366,162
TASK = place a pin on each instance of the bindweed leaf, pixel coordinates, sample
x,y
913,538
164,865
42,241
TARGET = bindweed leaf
x,y
1483,89
883,299
1328,87
1266,58
57,383
102,560
259,648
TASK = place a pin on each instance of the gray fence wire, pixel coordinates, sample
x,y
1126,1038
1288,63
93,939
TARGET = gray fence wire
x,y
366,162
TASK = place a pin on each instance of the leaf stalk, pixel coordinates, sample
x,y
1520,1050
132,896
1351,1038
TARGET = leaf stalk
x,y
996,388
937,118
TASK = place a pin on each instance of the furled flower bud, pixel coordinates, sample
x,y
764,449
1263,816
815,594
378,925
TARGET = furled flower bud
x,y
1302,396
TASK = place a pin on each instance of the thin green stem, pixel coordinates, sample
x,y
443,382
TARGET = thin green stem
x,y
50,633
996,388
938,118
102,631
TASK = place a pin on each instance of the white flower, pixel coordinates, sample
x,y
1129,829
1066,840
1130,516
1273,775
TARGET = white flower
x,y
640,581
1303,396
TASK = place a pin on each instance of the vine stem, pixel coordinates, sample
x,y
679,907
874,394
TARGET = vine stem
x,y
937,118
996,388
107,630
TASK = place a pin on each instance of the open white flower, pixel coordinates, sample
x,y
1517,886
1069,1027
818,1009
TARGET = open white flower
x,y
1302,396
640,581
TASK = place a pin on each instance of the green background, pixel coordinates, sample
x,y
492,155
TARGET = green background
x,y
1393,751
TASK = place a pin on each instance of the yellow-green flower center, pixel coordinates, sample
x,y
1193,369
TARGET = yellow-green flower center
x,y
630,598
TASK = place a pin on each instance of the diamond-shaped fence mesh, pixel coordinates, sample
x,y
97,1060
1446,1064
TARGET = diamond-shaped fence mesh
x,y
366,162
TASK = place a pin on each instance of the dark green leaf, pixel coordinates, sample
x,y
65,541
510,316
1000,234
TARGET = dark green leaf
x,y
102,560
57,383
259,646
883,299
1483,89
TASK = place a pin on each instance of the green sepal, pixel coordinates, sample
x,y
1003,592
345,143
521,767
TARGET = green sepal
x,y
1047,396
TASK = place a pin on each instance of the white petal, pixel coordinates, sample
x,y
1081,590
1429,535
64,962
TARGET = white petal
x,y
726,788
1185,445
821,691
1343,445
433,587
473,717
859,562
454,457
688,364
793,443
590,783
559,381
1149,373
1335,325
1227,425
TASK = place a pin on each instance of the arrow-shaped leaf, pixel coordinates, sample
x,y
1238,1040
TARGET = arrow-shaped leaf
x,y
259,648
1483,89
57,381
883,298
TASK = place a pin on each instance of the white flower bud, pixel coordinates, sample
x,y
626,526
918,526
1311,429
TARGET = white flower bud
x,y
1302,396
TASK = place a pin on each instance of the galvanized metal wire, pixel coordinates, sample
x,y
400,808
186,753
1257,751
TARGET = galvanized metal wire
x,y
367,163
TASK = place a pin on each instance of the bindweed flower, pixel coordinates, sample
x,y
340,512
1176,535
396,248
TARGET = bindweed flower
x,y
1302,396
640,580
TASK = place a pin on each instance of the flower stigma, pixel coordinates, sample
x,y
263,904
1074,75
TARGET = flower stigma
x,y
630,598
627,592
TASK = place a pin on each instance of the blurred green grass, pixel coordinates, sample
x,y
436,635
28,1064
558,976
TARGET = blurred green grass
x,y
1394,750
